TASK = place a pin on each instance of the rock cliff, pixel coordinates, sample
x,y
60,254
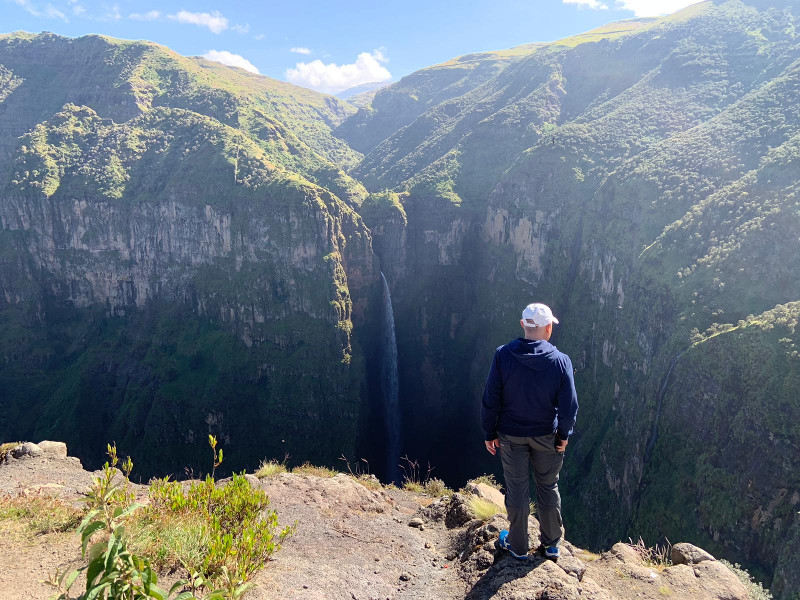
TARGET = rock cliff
x,y
642,180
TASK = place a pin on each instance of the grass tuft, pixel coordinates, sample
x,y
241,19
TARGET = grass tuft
x,y
484,509
309,469
659,557
587,556
41,513
270,468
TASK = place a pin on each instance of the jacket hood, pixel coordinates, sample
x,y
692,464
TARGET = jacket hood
x,y
534,354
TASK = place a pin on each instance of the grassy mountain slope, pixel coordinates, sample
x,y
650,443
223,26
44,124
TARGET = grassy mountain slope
x,y
170,265
644,184
121,79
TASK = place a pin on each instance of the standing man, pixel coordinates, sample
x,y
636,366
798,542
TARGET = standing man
x,y
528,411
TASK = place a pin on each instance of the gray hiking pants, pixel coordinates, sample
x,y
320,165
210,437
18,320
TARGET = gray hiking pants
x,y
517,455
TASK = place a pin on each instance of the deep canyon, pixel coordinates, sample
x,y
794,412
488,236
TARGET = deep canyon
x,y
187,248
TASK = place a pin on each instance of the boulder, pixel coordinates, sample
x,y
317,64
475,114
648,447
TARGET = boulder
x,y
624,553
26,450
687,554
458,512
487,492
710,579
54,449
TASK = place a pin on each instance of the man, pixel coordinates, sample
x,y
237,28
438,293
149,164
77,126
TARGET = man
x,y
528,412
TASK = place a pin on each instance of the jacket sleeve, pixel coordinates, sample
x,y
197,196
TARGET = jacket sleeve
x,y
567,404
492,399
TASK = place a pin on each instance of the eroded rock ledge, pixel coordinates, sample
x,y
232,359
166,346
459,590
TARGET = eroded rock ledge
x,y
354,542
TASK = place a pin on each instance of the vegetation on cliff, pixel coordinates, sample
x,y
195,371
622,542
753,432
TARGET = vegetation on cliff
x,y
643,181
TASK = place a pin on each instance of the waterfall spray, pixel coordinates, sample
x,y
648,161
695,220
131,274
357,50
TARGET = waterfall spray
x,y
389,387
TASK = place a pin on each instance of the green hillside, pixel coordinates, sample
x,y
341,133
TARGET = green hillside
x,y
643,181
179,255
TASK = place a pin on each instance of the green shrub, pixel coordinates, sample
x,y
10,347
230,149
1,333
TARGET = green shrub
x,y
755,589
216,530
219,535
436,488
413,486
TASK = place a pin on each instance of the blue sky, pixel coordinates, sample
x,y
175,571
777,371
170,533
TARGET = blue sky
x,y
328,45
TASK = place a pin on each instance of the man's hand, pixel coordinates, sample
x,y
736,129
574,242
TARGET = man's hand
x,y
492,446
561,446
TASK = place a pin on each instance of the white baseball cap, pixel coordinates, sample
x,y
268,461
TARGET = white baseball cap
x,y
538,315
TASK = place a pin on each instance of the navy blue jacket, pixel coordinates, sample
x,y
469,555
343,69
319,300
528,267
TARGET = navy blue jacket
x,y
530,391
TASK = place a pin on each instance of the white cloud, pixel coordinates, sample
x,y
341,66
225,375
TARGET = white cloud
x,y
259,37
300,50
653,8
78,9
214,21
151,15
241,28
332,78
596,4
230,59
640,8
112,13
49,11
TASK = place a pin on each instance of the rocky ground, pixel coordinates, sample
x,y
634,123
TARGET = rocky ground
x,y
357,541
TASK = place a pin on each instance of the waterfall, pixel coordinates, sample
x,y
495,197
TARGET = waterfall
x,y
659,402
389,387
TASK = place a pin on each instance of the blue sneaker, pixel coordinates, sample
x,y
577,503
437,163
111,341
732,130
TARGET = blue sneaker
x,y
551,552
504,544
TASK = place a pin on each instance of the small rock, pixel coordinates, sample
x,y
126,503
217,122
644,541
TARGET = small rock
x,y
687,554
405,577
484,560
422,527
416,522
54,449
572,566
428,545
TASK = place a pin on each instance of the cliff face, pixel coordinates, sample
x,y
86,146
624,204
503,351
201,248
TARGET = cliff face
x,y
644,184
166,275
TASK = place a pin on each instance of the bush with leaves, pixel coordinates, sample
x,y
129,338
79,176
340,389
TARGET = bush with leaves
x,y
219,534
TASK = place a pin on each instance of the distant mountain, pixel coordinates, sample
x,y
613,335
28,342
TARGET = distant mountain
x,y
362,89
